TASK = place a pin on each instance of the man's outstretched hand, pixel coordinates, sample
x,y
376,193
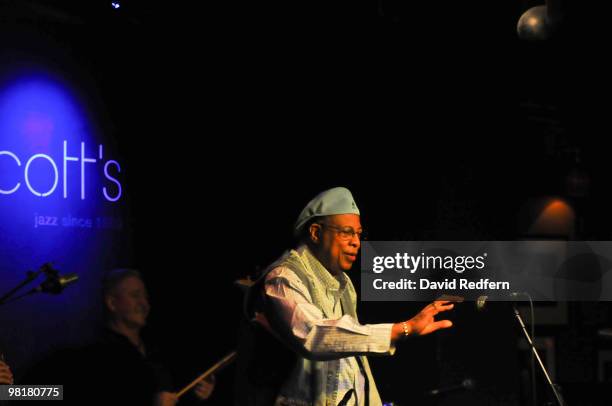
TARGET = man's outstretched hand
x,y
424,322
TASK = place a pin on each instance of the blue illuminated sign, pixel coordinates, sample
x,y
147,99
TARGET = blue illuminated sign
x,y
108,167
63,200
55,164
49,146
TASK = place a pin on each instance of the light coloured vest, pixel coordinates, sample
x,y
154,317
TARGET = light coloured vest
x,y
316,382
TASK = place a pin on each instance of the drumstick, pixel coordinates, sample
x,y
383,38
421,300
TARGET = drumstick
x,y
229,358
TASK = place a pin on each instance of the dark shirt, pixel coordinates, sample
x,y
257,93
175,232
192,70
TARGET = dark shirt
x,y
125,375
110,371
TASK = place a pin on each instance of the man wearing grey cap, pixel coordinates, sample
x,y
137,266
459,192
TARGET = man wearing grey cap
x,y
306,301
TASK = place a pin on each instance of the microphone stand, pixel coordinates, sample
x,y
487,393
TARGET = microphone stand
x,y
46,268
560,400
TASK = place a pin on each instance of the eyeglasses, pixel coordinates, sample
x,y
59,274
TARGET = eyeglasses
x,y
346,233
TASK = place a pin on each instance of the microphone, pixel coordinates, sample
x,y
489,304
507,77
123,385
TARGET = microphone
x,y
467,384
55,284
482,300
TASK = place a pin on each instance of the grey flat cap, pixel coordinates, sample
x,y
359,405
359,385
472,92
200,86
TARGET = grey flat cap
x,y
338,200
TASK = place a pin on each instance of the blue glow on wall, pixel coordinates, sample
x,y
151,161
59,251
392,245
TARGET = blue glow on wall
x,y
62,200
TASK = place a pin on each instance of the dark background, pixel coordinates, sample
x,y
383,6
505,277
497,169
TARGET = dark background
x,y
230,117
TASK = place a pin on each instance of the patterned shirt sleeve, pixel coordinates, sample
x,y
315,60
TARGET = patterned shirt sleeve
x,y
318,337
